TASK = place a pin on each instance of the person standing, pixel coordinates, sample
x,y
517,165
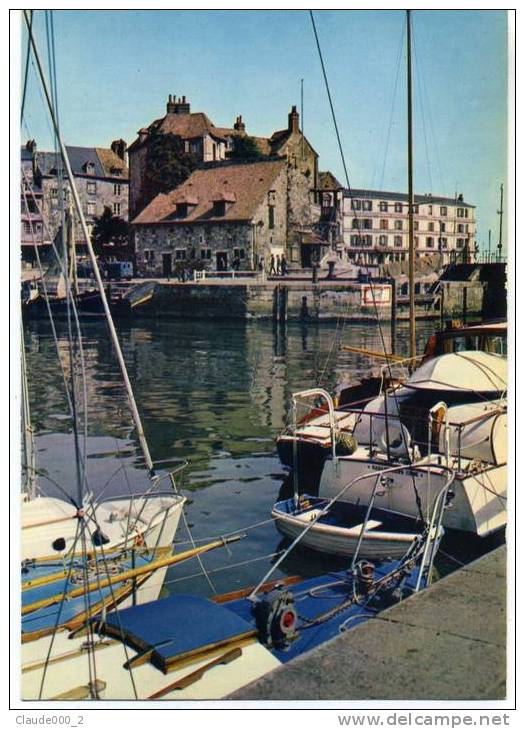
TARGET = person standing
x,y
278,264
272,271
283,265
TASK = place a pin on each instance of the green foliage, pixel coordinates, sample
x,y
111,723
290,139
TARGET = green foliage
x,y
168,165
109,229
245,148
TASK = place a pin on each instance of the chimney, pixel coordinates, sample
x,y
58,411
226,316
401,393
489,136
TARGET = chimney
x,y
293,120
239,125
170,106
178,107
119,147
31,146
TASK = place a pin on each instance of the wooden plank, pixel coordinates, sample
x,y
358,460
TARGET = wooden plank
x,y
266,587
195,676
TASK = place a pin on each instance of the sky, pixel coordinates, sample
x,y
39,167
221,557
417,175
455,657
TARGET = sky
x,y
115,70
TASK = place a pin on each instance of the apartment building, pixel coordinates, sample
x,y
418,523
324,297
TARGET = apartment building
x,y
375,227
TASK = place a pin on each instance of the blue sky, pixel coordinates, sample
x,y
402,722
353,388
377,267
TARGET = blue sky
x,y
116,68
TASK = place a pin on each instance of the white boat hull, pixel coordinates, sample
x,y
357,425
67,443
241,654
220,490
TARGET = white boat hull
x,y
478,506
343,541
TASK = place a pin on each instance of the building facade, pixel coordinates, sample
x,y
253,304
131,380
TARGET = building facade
x,y
101,179
375,227
231,215
209,144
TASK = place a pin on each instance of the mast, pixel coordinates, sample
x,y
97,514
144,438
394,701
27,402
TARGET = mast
x,y
500,213
71,245
29,444
411,250
490,233
112,331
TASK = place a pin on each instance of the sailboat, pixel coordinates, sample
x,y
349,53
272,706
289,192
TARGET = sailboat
x,y
448,412
83,528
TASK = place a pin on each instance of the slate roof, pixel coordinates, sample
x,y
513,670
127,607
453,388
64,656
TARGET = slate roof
x,y
102,160
403,196
249,183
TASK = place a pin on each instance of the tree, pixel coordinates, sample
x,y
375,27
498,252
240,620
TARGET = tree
x,y
245,148
168,165
108,230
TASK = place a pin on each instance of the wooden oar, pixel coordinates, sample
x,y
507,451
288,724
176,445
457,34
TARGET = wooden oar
x,y
127,575
373,353
195,676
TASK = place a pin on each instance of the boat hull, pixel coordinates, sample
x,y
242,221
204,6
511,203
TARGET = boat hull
x,y
478,505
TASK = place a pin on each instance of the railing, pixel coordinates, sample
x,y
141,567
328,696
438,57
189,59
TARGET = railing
x,y
203,275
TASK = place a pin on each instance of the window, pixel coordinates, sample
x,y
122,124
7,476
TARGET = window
x,y
89,167
430,242
442,227
416,241
91,208
430,210
117,188
442,243
415,210
398,224
398,241
355,223
53,191
382,240
383,207
239,253
383,224
271,217
459,243
357,205
219,208
460,212
366,240
355,240
91,188
398,207
431,227
149,255
461,228
367,223
116,208
206,254
416,224
180,254
181,210
443,210
367,205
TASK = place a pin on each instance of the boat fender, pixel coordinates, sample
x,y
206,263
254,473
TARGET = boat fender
x,y
346,444
276,618
400,441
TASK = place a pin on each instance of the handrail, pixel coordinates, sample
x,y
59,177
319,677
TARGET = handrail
x,y
323,512
320,392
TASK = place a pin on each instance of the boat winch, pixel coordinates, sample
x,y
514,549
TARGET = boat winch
x,y
276,618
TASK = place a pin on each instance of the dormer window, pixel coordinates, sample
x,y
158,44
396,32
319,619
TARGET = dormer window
x,y
182,210
219,208
221,202
89,168
184,204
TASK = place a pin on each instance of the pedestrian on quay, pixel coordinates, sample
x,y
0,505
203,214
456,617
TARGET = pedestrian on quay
x,y
272,271
278,264
283,265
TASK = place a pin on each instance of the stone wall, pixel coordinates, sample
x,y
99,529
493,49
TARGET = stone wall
x,y
104,196
137,167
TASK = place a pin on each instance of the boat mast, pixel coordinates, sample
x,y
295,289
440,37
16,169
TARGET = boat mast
x,y
30,486
411,250
72,249
500,213
91,252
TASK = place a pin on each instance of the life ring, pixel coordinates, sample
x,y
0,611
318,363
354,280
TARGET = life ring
x,y
398,441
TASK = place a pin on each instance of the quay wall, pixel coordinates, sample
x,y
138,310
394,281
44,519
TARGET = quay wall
x,y
299,300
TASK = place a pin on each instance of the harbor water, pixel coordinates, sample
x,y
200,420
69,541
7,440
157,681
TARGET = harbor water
x,y
215,394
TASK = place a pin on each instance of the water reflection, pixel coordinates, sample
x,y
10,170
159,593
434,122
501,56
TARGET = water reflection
x,y
214,393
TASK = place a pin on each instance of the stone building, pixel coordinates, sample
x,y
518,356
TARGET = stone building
x,y
242,212
375,226
209,144
101,179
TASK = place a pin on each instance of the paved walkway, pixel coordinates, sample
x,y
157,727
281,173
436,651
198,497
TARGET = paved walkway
x,y
449,642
